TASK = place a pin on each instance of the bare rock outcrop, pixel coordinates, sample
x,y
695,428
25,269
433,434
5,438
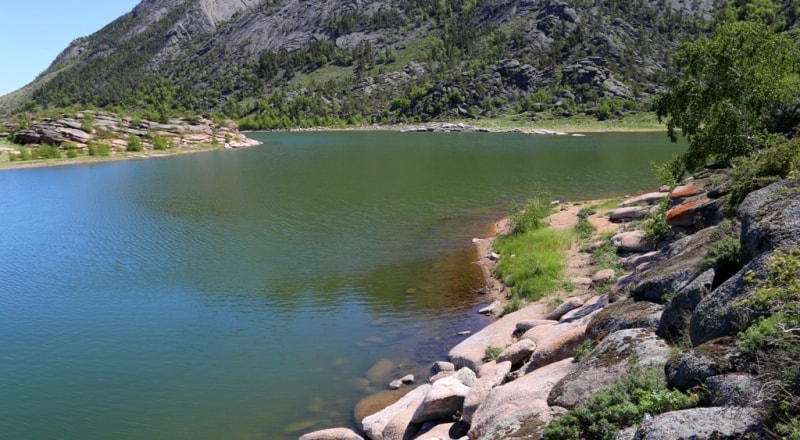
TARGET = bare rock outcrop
x,y
446,397
470,352
393,422
718,423
491,375
609,361
332,434
518,404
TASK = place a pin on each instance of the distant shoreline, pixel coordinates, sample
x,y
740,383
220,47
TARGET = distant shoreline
x,y
438,127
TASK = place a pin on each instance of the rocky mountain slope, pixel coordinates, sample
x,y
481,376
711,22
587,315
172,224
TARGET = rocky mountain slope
x,y
285,62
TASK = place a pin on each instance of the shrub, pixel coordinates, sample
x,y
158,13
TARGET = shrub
x,y
671,172
159,142
45,152
584,229
723,252
773,341
134,143
97,149
769,165
72,154
586,211
492,353
655,223
619,406
583,350
86,124
512,305
533,216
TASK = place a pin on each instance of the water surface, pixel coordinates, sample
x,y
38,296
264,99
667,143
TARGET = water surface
x,y
245,294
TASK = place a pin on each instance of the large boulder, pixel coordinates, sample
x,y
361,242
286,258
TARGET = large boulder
x,y
770,219
471,352
678,269
567,306
698,212
445,398
718,314
623,314
733,389
394,421
633,241
628,213
648,198
674,323
554,342
686,190
718,423
692,367
518,405
590,307
612,359
332,434
444,431
517,352
491,375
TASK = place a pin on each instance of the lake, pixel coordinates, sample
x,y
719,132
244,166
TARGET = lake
x,y
248,294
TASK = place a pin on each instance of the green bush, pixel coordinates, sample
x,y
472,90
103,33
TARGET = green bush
x,y
606,256
655,223
45,152
134,143
534,214
584,229
723,252
619,406
492,353
586,211
773,341
671,172
98,149
583,350
159,142
86,124
767,166
72,154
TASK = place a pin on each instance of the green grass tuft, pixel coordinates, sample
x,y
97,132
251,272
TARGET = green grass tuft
x,y
532,263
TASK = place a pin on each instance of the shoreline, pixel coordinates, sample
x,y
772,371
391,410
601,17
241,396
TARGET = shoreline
x,y
91,160
565,218
464,127
437,127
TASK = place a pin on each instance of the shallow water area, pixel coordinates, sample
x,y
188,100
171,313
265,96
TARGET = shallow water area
x,y
247,293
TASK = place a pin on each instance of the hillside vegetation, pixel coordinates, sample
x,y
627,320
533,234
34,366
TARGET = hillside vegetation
x,y
274,64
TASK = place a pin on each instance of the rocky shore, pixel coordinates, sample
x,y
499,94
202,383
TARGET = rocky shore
x,y
667,310
84,131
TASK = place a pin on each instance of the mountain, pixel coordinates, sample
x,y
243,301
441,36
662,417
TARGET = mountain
x,y
273,63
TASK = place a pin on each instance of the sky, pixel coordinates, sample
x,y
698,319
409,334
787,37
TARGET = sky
x,y
34,32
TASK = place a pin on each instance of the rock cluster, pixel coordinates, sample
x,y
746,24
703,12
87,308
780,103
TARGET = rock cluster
x,y
80,129
669,297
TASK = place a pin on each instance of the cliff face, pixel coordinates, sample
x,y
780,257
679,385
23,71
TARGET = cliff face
x,y
203,54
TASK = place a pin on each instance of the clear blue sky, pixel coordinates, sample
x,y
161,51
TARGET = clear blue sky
x,y
34,32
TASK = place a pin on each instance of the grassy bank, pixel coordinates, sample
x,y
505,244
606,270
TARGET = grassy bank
x,y
532,263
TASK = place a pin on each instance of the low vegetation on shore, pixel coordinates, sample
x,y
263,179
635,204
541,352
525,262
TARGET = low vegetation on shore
x,y
56,137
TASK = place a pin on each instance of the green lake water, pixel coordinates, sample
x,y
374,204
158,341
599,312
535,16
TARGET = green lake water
x,y
246,294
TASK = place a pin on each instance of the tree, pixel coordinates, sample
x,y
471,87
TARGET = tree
x,y
726,89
